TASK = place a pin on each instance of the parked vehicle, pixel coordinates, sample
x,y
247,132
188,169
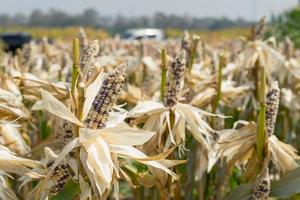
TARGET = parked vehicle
x,y
143,33
14,40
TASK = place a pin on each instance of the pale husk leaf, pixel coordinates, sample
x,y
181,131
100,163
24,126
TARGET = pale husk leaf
x,y
146,107
54,106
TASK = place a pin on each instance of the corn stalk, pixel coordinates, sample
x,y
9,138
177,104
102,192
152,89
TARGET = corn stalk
x,y
164,69
261,134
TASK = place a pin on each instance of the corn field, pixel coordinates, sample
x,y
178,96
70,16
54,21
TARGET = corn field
x,y
174,119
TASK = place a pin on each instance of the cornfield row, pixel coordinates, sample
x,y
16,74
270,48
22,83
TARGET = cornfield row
x,y
174,119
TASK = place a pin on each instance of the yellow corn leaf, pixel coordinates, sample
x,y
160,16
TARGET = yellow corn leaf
x,y
125,135
9,162
98,163
6,193
11,137
135,154
282,155
91,92
54,106
146,107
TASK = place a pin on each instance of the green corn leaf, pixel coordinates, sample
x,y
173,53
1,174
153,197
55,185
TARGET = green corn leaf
x,y
241,192
287,186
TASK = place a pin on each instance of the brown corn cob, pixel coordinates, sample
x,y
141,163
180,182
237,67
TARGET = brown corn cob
x,y
106,99
83,39
259,30
262,185
62,172
288,48
186,42
174,79
59,177
27,51
189,45
87,60
272,103
65,131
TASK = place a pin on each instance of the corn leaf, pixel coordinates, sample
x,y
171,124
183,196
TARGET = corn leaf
x,y
54,106
287,186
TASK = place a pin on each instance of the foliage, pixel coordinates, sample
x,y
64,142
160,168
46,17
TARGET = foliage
x,y
212,36
91,18
287,25
63,34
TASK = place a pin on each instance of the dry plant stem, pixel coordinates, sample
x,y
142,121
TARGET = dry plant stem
x,y
163,73
163,195
81,100
193,52
139,193
176,189
256,79
140,72
171,187
60,75
261,134
201,187
191,172
219,83
76,67
74,84
79,115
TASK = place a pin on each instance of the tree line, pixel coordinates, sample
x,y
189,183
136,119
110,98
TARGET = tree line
x,y
91,18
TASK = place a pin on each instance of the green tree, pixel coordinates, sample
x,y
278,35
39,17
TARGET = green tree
x,y
287,25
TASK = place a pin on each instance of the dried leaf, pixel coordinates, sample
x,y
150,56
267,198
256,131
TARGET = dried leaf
x,y
54,106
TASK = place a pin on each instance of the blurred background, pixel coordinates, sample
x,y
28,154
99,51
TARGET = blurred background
x,y
212,20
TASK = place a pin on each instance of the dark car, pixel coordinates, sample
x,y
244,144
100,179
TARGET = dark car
x,y
13,41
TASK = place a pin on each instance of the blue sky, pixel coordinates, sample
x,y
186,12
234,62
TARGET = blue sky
x,y
248,9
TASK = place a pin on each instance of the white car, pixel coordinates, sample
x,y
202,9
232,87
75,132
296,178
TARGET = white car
x,y
143,33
